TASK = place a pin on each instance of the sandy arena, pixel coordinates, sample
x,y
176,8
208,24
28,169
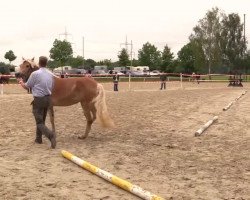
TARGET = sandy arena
x,y
153,145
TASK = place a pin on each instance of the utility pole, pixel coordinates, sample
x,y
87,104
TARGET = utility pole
x,y
83,47
245,30
131,52
245,47
65,34
131,49
126,44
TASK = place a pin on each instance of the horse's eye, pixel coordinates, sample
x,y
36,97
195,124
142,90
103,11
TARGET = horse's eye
x,y
27,66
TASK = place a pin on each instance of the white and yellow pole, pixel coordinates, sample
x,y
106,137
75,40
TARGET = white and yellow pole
x,y
134,189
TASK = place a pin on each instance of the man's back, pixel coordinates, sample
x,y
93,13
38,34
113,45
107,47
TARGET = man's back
x,y
41,82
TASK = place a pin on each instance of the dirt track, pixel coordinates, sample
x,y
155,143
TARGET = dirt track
x,y
153,145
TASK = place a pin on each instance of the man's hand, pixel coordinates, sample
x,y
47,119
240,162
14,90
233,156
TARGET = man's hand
x,y
20,81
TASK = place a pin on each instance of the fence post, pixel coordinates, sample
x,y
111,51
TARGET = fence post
x,y
1,89
129,80
181,80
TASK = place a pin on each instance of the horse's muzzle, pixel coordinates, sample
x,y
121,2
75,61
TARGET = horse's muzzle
x,y
18,75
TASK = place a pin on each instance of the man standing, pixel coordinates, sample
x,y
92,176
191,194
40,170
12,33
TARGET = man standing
x,y
163,79
41,82
116,80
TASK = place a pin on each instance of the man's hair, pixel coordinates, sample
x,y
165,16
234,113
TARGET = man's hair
x,y
43,61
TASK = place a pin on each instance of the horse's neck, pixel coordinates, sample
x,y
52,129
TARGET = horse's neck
x,y
34,69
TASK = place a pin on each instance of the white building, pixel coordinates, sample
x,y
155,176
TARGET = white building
x,y
144,69
63,68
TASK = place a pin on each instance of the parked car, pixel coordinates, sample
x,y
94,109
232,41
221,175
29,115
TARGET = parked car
x,y
154,73
115,71
98,72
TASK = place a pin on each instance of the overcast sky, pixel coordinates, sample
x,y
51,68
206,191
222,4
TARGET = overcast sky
x,y
29,27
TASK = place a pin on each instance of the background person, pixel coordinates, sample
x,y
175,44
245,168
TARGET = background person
x,y
116,80
163,78
41,82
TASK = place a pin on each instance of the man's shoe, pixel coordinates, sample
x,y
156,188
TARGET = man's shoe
x,y
53,140
38,140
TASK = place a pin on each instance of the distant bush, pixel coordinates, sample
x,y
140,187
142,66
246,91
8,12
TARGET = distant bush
x,y
4,70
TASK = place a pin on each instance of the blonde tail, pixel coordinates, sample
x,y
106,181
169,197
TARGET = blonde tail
x,y
101,108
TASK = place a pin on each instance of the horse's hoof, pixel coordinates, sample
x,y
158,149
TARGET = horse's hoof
x,y
81,137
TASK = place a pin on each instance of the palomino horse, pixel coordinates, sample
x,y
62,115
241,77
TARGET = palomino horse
x,y
69,91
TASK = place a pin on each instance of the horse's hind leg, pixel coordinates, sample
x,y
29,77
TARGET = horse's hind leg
x,y
87,113
52,119
93,111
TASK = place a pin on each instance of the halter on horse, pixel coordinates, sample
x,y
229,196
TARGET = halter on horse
x,y
69,91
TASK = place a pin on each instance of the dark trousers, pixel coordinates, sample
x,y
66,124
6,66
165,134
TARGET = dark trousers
x,y
115,85
163,85
40,108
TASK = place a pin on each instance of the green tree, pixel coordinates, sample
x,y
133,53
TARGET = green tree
x,y
114,64
61,51
207,34
53,64
247,62
187,58
123,58
4,69
4,64
174,66
106,62
167,58
89,64
200,59
76,62
149,56
232,41
10,56
135,62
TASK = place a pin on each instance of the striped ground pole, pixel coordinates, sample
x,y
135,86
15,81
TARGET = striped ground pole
x,y
134,189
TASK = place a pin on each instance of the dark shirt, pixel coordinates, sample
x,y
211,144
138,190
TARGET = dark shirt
x,y
163,77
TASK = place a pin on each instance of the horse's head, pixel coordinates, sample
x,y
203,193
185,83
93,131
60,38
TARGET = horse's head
x,y
26,68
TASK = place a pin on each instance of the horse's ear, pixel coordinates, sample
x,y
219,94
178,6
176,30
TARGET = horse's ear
x,y
23,58
33,59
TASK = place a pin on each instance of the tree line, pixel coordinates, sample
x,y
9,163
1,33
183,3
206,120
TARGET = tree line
x,y
216,45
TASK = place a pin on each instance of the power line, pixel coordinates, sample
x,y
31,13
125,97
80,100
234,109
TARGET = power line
x,y
131,49
65,34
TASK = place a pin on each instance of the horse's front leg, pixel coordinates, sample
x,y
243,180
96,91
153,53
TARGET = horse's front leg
x,y
52,119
